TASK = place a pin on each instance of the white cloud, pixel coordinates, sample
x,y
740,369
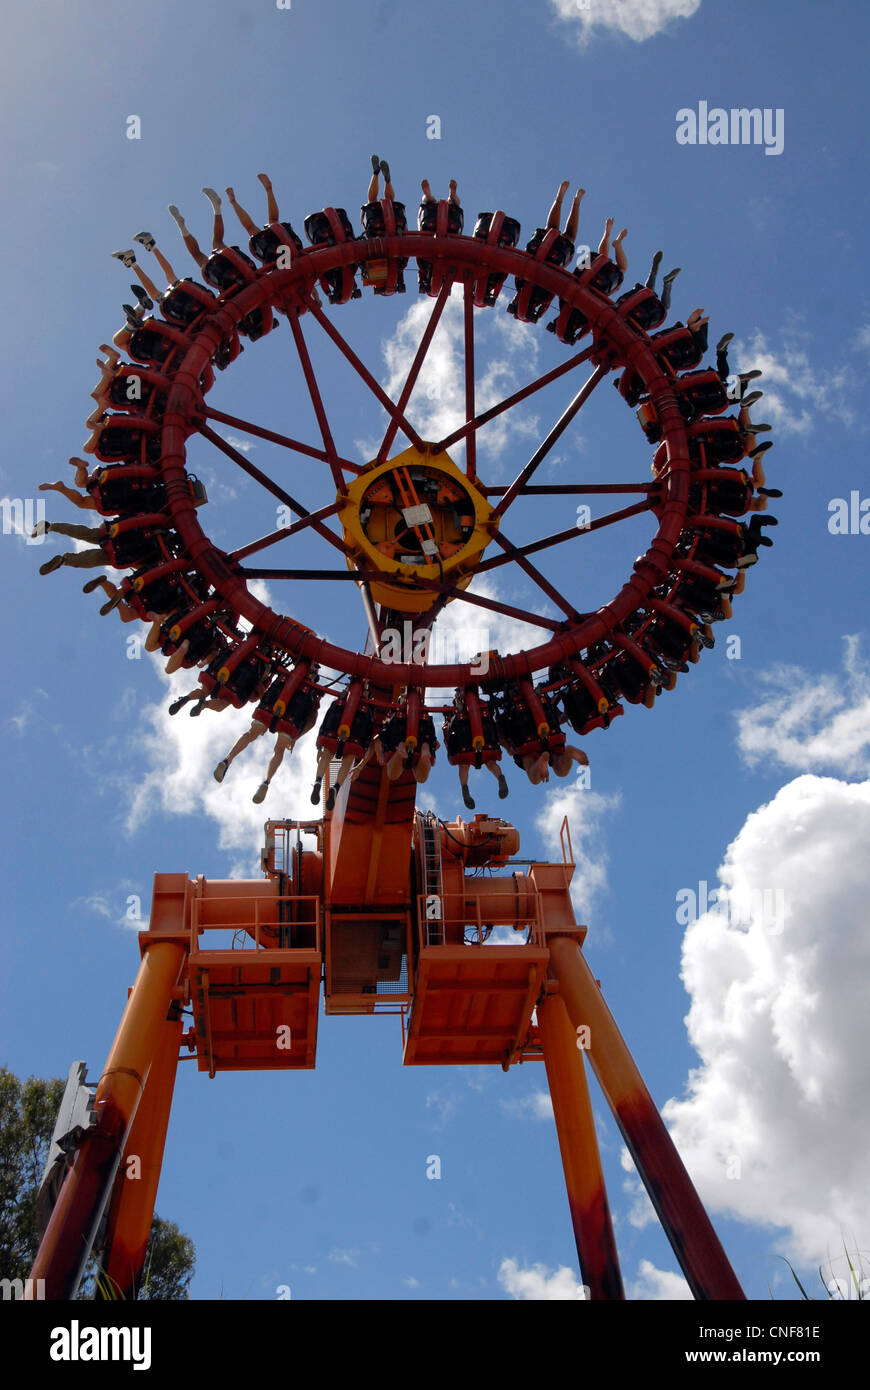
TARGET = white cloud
x,y
637,19
539,1283
445,1106
344,1257
796,390
812,722
506,353
537,1106
587,813
654,1284
774,1126
411,1282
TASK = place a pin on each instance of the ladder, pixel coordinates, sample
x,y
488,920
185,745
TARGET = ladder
x,y
433,887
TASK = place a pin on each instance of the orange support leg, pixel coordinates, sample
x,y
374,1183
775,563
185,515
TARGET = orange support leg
x,y
132,1206
70,1233
685,1222
581,1160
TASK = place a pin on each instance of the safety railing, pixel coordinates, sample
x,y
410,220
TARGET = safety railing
x,y
469,918
255,917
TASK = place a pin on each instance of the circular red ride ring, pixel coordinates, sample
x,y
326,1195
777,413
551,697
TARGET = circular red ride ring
x,y
617,343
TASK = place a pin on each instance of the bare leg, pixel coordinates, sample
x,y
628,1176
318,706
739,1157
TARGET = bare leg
x,y
389,190
245,218
217,240
396,762
574,216
554,216
563,761
453,196
499,776
604,243
238,747
618,252
271,200
423,766
189,240
427,191
150,245
372,191
177,658
283,744
537,769
146,282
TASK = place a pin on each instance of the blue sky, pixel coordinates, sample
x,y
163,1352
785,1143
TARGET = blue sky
x,y
753,774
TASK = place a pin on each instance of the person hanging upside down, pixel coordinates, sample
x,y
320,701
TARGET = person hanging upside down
x,y
190,240
461,753
618,251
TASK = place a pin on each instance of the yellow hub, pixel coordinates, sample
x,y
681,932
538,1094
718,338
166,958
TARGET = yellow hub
x,y
415,517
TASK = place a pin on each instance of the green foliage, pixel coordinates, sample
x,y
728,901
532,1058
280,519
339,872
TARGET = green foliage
x,y
27,1114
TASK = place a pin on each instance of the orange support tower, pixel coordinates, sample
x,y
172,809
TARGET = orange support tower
x,y
392,911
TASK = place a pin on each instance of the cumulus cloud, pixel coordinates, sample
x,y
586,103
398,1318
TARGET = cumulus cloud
x,y
654,1284
537,1282
636,19
774,1125
812,722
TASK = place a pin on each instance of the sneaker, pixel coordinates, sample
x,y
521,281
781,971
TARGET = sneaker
x,y
751,398
92,584
748,376
41,528
51,565
315,795
106,608
503,787
261,793
760,448
376,164
724,341
221,770
127,258
145,239
468,798
330,799
385,170
142,297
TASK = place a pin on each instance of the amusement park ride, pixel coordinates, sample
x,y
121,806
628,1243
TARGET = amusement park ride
x,y
388,908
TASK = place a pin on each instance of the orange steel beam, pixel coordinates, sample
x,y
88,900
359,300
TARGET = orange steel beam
x,y
685,1222
581,1160
132,1206
70,1233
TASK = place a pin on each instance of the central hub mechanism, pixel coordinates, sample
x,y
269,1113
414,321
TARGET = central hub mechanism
x,y
415,517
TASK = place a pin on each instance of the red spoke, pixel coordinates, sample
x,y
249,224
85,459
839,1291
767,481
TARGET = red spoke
x,y
369,576
609,520
572,489
270,486
283,531
308,449
471,440
347,351
524,392
514,553
317,402
414,371
555,434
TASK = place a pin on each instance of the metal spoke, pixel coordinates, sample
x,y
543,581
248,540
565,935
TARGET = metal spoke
x,y
285,531
414,370
555,434
472,425
515,553
471,439
284,440
273,487
609,520
572,489
347,351
317,402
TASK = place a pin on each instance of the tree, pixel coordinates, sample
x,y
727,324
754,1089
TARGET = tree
x,y
28,1110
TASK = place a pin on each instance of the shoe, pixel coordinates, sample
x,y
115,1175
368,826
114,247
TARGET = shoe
x,y
221,770
758,429
724,341
748,376
468,799
177,705
92,584
503,788
41,528
145,239
315,795
751,398
376,164
760,448
385,170
106,608
142,297
126,258
671,276
261,793
330,799
769,492
51,565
